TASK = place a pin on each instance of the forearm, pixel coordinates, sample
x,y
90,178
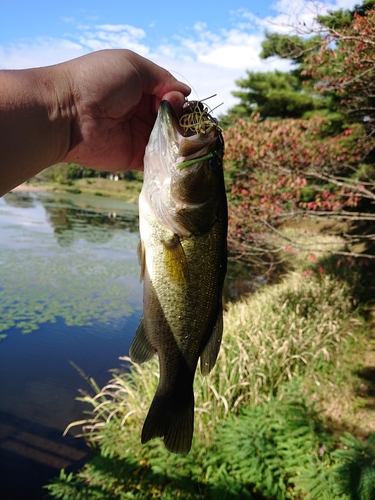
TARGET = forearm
x,y
35,119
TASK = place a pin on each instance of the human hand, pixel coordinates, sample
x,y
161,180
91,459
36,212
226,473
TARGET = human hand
x,y
114,96
97,111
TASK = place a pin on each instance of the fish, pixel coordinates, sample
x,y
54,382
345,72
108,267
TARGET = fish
x,y
183,219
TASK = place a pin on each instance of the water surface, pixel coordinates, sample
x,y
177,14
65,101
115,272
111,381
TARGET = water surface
x,y
69,297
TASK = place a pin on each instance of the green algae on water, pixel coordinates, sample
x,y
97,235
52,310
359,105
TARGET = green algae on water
x,y
83,275
79,289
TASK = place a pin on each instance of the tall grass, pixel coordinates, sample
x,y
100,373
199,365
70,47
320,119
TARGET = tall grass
x,y
291,329
256,435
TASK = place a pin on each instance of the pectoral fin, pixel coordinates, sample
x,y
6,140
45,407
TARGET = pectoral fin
x,y
141,259
141,350
175,261
211,351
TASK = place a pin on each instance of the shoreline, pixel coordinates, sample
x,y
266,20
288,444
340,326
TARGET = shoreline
x,y
127,191
24,188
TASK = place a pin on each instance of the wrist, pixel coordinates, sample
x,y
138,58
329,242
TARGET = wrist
x,y
35,118
55,97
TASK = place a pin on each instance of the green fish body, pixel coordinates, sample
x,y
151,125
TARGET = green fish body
x,y
183,253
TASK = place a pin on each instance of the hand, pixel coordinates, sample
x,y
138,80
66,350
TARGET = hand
x,y
115,95
97,110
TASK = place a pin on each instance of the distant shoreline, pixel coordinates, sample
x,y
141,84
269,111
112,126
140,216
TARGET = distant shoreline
x,y
128,191
23,188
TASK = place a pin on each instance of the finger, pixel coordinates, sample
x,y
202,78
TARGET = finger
x,y
177,99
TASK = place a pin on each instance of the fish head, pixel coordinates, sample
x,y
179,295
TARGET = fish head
x,y
187,164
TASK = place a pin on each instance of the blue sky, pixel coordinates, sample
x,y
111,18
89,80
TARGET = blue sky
x,y
207,43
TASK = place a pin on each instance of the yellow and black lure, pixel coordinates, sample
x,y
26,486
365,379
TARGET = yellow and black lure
x,y
196,118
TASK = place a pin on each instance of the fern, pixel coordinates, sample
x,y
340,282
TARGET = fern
x,y
355,476
267,447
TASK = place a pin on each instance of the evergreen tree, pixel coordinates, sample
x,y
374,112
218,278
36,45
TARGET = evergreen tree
x,y
280,94
274,94
333,72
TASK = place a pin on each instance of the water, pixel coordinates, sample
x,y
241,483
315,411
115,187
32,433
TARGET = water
x,y
69,296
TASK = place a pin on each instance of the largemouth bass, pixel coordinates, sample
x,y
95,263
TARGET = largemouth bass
x,y
183,254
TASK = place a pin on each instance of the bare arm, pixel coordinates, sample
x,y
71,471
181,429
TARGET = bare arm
x,y
97,110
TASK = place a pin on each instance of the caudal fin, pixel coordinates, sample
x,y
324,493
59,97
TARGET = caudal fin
x,y
171,420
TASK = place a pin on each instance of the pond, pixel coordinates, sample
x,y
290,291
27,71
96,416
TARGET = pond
x,y
70,302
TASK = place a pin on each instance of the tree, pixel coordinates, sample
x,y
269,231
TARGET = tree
x,y
284,170
319,168
345,64
274,94
337,59
280,94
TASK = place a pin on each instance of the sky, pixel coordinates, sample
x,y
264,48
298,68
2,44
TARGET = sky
x,y
207,44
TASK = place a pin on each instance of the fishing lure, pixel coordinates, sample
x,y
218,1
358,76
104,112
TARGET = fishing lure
x,y
196,117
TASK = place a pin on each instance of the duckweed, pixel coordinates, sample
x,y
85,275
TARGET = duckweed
x,y
82,275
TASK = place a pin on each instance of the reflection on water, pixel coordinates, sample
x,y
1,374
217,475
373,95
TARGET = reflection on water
x,y
69,275
68,261
71,222
69,279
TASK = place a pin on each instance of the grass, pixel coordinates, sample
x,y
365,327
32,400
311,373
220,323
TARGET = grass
x,y
128,191
301,333
292,329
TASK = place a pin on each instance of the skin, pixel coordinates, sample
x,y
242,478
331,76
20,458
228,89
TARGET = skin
x,y
97,110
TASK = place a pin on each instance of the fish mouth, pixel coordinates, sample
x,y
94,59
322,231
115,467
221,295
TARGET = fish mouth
x,y
169,117
191,135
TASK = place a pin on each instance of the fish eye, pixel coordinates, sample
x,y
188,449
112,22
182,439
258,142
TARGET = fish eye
x,y
214,164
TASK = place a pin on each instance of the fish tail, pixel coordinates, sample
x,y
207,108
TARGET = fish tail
x,y
173,420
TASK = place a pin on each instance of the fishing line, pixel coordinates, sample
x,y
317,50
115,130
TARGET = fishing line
x,y
187,81
208,110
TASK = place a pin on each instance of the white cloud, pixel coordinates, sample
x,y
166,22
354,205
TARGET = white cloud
x,y
135,32
113,36
300,15
38,52
206,79
209,61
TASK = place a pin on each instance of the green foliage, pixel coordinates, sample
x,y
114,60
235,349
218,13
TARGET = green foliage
x,y
276,450
65,173
329,65
342,18
292,47
256,435
275,94
75,171
286,94
345,65
356,474
269,444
